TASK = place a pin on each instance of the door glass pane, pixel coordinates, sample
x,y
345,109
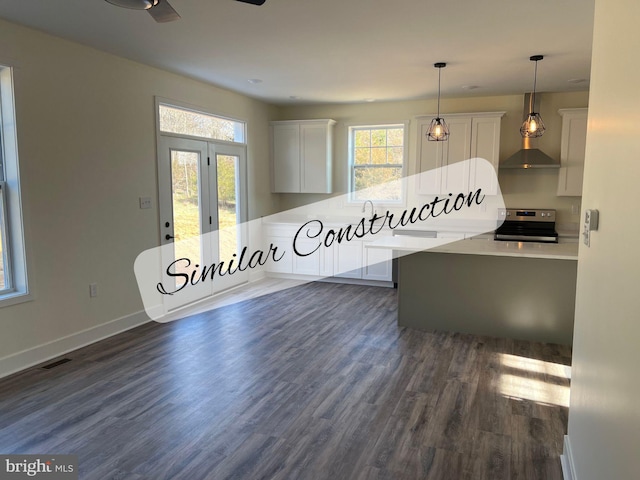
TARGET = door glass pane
x,y
185,196
228,219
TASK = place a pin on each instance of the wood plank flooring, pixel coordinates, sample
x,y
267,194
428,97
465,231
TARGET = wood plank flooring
x,y
315,382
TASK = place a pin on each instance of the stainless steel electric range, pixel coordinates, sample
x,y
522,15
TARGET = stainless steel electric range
x,y
527,225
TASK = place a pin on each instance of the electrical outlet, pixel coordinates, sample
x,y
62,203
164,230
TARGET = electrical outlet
x,y
145,202
93,290
575,209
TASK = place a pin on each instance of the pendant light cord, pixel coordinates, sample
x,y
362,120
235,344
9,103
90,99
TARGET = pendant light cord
x,y
439,72
533,95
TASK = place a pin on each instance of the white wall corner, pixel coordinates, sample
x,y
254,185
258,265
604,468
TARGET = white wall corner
x,y
47,351
566,460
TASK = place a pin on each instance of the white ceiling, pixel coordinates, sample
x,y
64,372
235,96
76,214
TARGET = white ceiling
x,y
340,50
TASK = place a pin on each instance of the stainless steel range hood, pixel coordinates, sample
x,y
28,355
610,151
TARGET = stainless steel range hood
x,y
527,156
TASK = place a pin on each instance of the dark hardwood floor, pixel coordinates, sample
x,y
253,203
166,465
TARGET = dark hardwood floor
x,y
315,382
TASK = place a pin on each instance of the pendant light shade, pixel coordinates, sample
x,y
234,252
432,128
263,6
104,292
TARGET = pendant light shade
x,y
533,126
438,130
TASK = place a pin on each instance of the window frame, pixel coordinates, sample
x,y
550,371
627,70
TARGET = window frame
x,y
5,254
17,290
351,129
160,101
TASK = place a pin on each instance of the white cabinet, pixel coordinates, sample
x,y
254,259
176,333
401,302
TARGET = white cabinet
x,y
285,264
308,264
301,155
574,138
471,135
285,151
376,263
317,264
326,261
280,235
348,259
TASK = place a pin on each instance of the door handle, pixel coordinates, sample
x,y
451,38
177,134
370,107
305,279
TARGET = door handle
x,y
168,237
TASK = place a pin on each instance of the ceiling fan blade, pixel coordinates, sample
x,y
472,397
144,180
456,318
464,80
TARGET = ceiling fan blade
x,y
253,2
163,12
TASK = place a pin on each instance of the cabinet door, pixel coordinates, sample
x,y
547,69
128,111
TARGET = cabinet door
x,y
286,158
457,149
348,259
285,264
433,155
485,143
315,159
307,265
376,264
572,150
326,261
430,157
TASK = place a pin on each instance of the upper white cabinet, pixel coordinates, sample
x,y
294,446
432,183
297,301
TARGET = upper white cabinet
x,y
471,135
574,138
301,153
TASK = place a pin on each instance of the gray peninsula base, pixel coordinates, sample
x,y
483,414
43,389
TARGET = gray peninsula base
x,y
513,297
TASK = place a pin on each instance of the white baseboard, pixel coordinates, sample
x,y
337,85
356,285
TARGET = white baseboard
x,y
257,275
314,278
566,460
33,356
357,281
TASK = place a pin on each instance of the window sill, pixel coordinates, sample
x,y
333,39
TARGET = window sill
x,y
14,298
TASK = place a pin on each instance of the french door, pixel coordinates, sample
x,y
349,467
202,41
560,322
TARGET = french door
x,y
202,192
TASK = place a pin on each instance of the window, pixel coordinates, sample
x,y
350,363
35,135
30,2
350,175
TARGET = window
x,y
376,162
5,277
184,121
13,271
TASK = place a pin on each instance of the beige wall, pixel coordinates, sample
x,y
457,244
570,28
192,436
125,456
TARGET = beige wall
x,y
604,417
86,137
532,188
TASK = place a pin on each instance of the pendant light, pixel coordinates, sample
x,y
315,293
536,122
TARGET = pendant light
x,y
438,130
533,126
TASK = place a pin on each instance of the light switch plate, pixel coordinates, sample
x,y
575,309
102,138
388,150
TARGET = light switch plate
x,y
145,202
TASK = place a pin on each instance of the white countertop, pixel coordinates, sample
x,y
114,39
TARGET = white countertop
x,y
555,251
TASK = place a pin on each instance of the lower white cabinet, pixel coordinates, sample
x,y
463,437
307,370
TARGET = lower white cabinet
x,y
309,264
377,264
351,260
348,259
327,261
285,264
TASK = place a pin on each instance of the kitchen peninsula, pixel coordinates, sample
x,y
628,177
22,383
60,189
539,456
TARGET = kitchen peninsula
x,y
506,289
